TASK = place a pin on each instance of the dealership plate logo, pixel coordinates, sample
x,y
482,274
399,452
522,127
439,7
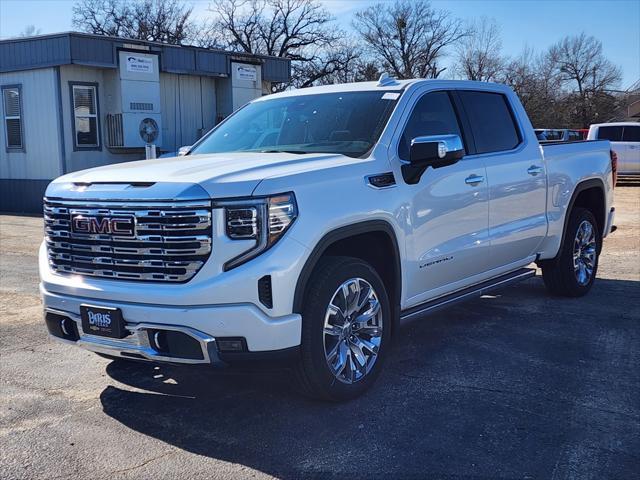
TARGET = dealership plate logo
x,y
124,226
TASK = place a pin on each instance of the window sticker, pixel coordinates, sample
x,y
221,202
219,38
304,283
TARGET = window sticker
x,y
390,96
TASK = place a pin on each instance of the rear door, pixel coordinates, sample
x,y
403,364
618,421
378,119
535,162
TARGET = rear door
x,y
631,141
516,177
622,142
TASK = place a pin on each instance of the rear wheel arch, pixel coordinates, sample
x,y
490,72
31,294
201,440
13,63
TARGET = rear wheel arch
x,y
588,194
369,241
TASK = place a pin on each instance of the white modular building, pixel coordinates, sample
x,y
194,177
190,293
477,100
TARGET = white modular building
x,y
72,101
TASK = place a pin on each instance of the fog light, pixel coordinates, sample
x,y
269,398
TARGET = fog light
x,y
231,344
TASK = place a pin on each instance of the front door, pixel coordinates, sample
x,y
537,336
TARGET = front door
x,y
446,215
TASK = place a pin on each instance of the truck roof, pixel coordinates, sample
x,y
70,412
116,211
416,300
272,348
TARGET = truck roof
x,y
390,84
615,124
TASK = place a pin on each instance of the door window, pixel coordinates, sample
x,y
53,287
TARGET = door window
x,y
493,126
631,134
432,115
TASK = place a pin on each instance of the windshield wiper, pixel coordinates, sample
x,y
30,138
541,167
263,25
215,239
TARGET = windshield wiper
x,y
299,152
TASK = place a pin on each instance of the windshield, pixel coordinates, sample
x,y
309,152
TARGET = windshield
x,y
347,123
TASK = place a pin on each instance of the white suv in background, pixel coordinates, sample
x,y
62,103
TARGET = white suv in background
x,y
625,142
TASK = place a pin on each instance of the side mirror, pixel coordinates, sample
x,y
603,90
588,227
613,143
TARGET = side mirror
x,y
435,151
182,151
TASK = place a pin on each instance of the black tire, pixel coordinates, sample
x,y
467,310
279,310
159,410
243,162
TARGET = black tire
x,y
314,376
558,274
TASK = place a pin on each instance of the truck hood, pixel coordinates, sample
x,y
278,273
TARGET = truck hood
x,y
220,175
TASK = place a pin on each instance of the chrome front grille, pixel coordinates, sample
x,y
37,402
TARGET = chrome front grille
x,y
170,242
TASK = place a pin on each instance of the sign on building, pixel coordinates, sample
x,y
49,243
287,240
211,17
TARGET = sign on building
x,y
247,72
139,64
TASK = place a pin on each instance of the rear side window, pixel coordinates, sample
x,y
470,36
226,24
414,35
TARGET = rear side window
x,y
492,124
432,115
574,136
613,134
631,134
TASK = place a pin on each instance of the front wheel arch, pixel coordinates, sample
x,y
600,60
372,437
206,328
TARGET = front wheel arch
x,y
341,242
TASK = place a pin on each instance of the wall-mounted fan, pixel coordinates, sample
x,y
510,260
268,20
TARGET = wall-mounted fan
x,y
148,130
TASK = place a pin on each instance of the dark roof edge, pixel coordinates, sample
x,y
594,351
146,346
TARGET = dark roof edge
x,y
72,33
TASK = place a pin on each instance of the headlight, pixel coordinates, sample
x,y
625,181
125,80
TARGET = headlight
x,y
264,220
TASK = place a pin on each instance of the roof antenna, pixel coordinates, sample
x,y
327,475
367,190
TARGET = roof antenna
x,y
385,80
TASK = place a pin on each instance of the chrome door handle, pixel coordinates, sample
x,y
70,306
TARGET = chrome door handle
x,y
534,170
473,180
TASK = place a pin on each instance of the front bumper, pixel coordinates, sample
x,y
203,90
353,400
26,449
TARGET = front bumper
x,y
137,344
203,323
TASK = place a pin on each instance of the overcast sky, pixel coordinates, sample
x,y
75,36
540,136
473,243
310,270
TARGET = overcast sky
x,y
537,23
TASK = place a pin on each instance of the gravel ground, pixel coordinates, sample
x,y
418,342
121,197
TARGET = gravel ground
x,y
518,385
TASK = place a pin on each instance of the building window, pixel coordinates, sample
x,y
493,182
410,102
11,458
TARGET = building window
x,y
85,116
12,101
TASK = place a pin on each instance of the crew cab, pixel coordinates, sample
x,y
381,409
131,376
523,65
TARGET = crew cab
x,y
311,224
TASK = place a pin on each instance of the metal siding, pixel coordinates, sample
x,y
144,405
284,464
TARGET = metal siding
x,y
82,159
190,108
276,70
188,105
67,48
209,109
40,159
92,50
34,53
170,111
212,62
178,59
22,196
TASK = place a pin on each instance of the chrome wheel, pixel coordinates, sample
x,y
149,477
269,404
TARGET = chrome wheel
x,y
584,252
352,330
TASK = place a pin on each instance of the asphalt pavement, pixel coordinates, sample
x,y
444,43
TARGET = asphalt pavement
x,y
515,385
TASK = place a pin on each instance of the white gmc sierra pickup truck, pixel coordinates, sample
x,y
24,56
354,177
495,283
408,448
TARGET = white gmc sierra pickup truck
x,y
310,224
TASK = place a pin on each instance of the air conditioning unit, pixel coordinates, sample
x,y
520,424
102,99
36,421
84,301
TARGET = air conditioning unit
x,y
133,130
135,119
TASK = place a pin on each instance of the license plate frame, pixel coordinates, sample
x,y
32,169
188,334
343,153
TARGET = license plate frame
x,y
102,321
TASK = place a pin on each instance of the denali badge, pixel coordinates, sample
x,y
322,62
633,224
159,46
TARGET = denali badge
x,y
123,226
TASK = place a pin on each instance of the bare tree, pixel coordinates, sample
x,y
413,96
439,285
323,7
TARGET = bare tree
x,y
30,31
479,55
531,77
408,38
586,74
167,21
301,30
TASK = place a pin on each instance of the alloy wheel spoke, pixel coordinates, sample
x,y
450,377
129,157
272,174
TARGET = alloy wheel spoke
x,y
372,332
334,351
362,320
357,352
341,363
363,343
336,311
332,330
352,367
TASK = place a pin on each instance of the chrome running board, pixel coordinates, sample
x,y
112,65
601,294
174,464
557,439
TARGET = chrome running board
x,y
468,293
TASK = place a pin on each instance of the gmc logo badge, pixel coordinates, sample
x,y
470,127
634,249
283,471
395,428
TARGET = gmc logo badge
x,y
122,226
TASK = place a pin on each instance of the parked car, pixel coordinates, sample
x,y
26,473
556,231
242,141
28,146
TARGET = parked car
x,y
372,205
625,141
584,132
558,135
